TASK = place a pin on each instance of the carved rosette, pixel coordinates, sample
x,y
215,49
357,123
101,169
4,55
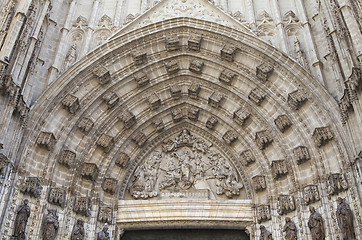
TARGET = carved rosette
x,y
71,104
227,76
82,206
259,183
57,196
31,186
263,213
263,71
46,140
106,142
310,194
322,136
67,158
263,139
228,52
103,75
337,183
194,90
105,214
211,123
286,204
194,42
122,160
241,115
215,99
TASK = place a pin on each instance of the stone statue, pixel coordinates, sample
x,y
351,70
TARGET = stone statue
x,y
50,225
345,219
315,224
265,234
103,235
290,229
78,230
22,215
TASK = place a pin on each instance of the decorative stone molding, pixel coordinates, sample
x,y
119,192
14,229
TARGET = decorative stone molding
x,y
259,183
158,124
85,125
263,71
257,96
241,115
139,56
90,171
337,183
67,158
322,136
301,154
279,168
111,99
57,196
103,75
82,206
175,91
172,43
263,139
110,185
31,186
215,99
154,101
128,118
46,140
286,204
310,194
105,214
211,123
194,42
106,142
228,52
263,213
247,157
196,66
141,79
122,160
194,90
172,66
283,123
230,137
177,114
296,99
71,104
193,113
4,162
140,139
227,76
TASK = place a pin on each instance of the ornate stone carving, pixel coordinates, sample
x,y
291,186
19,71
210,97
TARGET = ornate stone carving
x,y
283,123
172,66
279,168
105,214
230,137
310,194
228,52
31,186
215,99
139,56
106,142
128,118
336,183
263,139
111,99
301,154
290,229
57,196
194,90
141,78
196,66
158,124
286,204
89,171
103,75
247,157
211,123
71,104
154,101
175,91
109,185
257,96
194,42
172,43
259,183
21,220
140,139
227,76
263,213
322,136
345,220
263,71
82,206
4,162
122,160
78,232
46,140
177,114
193,113
265,234
103,235
85,125
50,225
241,115
296,99
67,158
315,224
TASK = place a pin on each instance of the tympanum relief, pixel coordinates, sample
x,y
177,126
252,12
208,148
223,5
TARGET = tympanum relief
x,y
185,166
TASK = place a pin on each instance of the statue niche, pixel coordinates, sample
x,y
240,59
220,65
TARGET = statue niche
x,y
185,166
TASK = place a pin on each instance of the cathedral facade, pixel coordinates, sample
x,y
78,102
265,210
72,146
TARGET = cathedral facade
x,y
123,115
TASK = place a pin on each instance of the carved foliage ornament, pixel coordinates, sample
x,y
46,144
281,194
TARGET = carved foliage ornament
x,y
310,194
196,66
215,99
57,196
82,206
71,104
296,99
67,158
227,76
106,142
247,157
194,90
103,75
230,137
172,43
111,99
283,123
336,183
139,56
241,115
322,136
31,186
263,71
301,154
105,214
109,185
85,125
211,123
228,52
90,171
263,139
172,66
142,79
279,168
46,140
259,183
122,160
286,204
257,96
128,118
194,42
140,139
263,213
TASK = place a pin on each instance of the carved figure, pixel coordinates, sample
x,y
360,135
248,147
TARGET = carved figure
x,y
78,230
103,235
71,57
345,219
315,224
265,234
290,229
22,215
50,225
